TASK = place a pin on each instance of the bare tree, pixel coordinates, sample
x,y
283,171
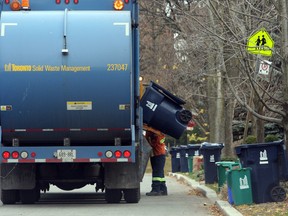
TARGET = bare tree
x,y
213,67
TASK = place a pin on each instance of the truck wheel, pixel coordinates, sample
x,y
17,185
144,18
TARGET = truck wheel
x,y
30,196
9,196
113,195
132,195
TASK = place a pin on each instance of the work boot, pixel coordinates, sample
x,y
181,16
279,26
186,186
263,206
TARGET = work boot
x,y
164,193
156,190
154,193
163,189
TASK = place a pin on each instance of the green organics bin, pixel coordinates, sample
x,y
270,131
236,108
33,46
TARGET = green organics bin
x,y
222,168
239,186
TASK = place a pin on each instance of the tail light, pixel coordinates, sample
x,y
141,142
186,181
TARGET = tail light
x,y
58,1
33,154
118,154
15,155
7,1
6,155
127,154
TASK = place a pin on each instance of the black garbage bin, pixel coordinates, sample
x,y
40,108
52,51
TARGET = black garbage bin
x,y
184,159
283,160
163,111
211,154
175,159
193,150
264,159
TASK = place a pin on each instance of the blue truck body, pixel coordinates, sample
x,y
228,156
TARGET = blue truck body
x,y
69,96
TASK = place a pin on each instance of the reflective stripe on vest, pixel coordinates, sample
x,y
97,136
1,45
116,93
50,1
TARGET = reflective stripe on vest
x,y
162,140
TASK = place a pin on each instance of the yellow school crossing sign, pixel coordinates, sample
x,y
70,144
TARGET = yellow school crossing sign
x,y
260,43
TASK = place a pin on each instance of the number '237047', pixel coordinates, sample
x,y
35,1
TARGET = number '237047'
x,y
117,67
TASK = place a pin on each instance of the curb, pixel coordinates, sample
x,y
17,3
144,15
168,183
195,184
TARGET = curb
x,y
224,206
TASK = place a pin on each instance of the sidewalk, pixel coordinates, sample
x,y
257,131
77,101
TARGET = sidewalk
x,y
224,206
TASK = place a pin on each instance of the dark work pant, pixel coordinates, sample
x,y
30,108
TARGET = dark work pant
x,y
158,176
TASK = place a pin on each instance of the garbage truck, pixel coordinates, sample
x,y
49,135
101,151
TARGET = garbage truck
x,y
69,96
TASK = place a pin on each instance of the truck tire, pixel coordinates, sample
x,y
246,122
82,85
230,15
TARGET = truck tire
x,y
30,196
9,196
132,195
113,195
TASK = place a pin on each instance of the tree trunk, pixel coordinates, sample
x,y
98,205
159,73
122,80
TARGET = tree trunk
x,y
211,86
219,117
228,151
216,90
215,105
284,53
248,118
259,122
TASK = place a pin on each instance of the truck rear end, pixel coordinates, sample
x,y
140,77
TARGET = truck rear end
x,y
69,95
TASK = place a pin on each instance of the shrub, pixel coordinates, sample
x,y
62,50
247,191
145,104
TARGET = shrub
x,y
250,139
271,138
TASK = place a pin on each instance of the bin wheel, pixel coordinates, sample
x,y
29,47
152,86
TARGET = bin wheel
x,y
184,116
278,194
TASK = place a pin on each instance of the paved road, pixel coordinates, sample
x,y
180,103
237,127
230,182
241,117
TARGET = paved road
x,y
84,202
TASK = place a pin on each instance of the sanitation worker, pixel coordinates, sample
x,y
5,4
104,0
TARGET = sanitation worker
x,y
157,141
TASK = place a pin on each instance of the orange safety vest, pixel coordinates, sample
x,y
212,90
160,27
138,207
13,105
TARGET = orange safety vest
x,y
157,143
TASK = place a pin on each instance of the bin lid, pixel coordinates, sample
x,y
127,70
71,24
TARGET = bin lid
x,y
167,93
183,147
238,149
229,164
239,170
194,146
207,145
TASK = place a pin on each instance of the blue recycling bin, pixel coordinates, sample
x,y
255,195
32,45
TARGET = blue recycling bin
x,y
193,150
264,159
211,154
163,111
184,159
175,159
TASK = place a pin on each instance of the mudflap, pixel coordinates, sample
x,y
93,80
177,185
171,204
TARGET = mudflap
x,y
18,176
145,156
128,175
121,175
